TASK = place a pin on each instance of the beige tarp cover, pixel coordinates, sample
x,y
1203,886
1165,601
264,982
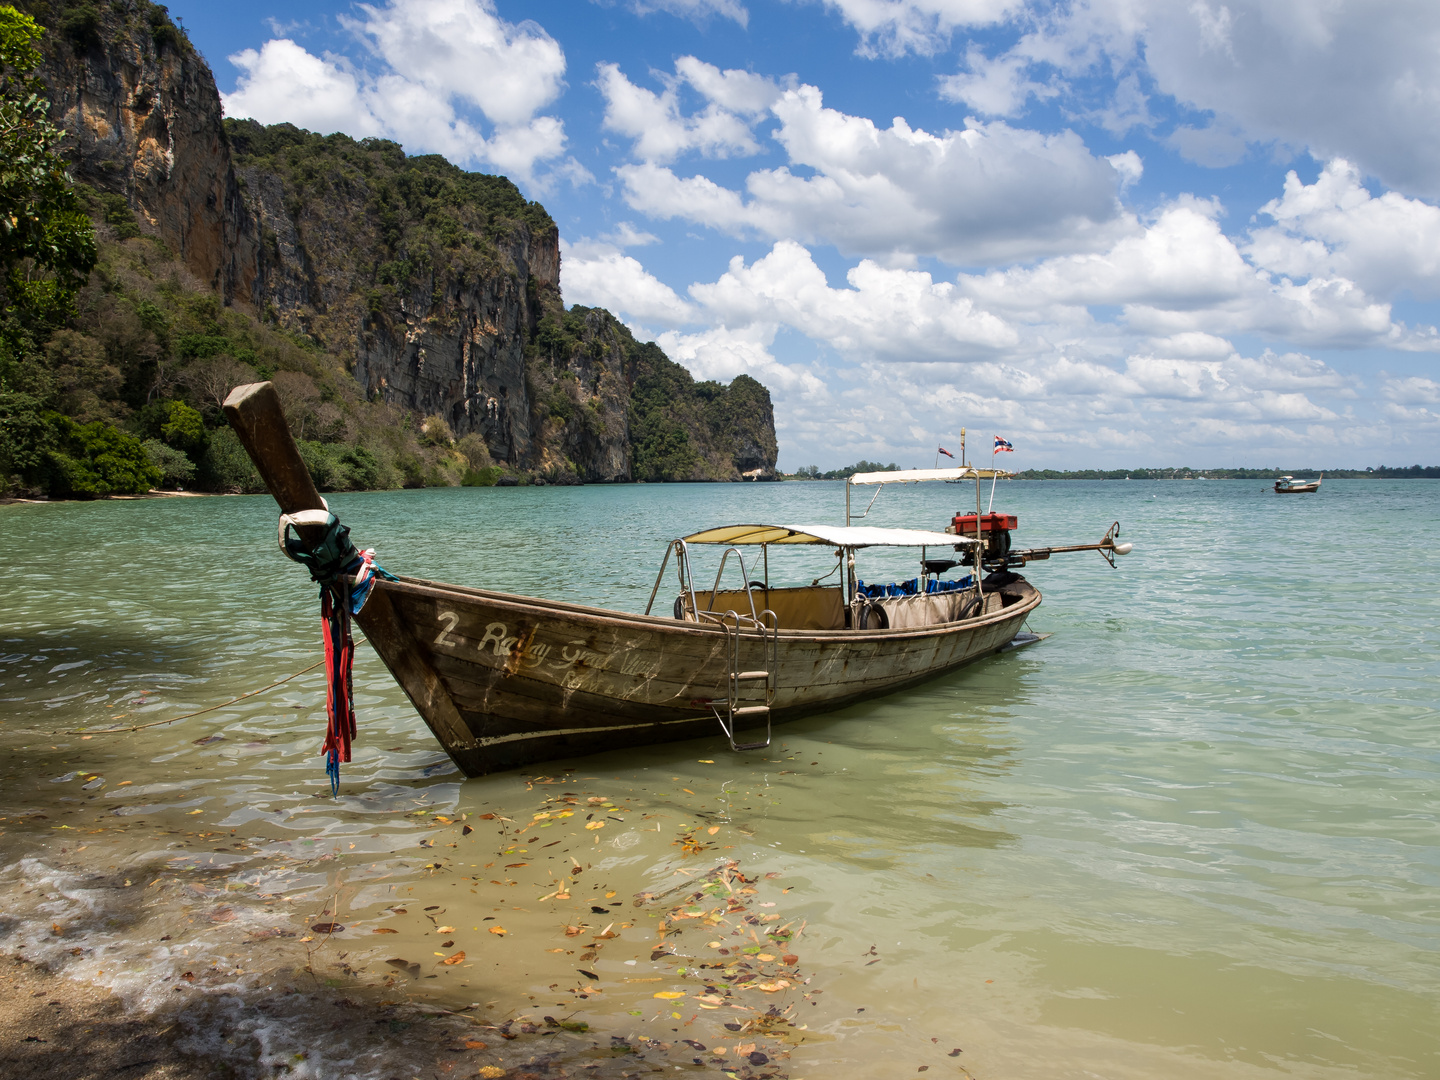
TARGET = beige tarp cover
x,y
852,536
927,610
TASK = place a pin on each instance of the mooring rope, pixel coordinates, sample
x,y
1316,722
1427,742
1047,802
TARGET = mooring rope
x,y
197,712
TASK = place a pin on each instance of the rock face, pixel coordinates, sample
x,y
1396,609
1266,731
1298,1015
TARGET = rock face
x,y
437,289
142,119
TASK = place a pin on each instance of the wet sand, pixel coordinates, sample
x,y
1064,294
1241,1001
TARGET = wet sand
x,y
59,1029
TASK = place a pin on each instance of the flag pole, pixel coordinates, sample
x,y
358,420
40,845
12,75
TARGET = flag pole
x,y
993,477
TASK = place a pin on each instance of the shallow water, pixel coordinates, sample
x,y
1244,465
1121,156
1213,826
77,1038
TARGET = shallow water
x,y
1196,827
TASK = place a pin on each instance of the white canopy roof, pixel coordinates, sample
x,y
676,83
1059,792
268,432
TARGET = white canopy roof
x,y
914,476
834,535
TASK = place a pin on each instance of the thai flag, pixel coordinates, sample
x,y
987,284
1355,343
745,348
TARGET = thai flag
x,y
946,452
1001,447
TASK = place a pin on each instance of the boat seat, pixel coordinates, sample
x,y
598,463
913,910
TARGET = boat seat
x,y
806,607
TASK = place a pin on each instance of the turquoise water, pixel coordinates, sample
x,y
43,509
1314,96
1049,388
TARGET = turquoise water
x,y
1196,827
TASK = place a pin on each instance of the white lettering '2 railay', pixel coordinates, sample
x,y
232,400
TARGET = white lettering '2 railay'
x,y
498,639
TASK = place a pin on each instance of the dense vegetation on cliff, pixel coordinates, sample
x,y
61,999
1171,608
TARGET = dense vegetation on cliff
x,y
408,311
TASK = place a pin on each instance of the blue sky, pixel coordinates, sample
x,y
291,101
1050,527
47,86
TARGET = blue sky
x,y
1120,232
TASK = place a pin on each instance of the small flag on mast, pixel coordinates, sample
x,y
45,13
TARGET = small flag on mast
x,y
946,452
1001,447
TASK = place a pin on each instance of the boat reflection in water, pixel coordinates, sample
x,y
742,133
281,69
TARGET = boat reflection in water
x,y
505,680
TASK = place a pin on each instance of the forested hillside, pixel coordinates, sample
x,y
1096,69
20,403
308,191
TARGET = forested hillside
x,y
408,312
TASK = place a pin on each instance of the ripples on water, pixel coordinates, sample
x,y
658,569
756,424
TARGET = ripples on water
x,y
1195,828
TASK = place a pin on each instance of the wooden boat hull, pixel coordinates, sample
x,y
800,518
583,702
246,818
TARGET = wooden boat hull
x,y
505,681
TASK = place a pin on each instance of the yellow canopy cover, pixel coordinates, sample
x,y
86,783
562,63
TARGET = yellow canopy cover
x,y
834,535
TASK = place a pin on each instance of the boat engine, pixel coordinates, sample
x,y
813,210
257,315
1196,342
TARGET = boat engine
x,y
994,537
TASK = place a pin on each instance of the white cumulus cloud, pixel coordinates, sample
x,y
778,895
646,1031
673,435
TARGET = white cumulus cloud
x,y
989,191
435,55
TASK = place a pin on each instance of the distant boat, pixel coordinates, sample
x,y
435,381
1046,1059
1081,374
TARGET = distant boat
x,y
1288,485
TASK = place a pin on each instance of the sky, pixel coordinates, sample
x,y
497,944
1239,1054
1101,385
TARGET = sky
x,y
1115,232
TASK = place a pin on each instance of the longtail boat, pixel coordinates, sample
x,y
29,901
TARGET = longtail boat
x,y
1288,485
505,680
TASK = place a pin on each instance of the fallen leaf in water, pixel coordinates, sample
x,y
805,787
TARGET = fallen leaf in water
x,y
123,783
955,1053
554,950
384,930
209,739
588,974
466,830
192,813
713,829
498,930
443,819
515,865
790,959
670,995
447,944
490,1072
572,931
487,817
323,927
398,910
445,929
765,956
455,959
711,1000
593,825
772,987
706,761
472,1044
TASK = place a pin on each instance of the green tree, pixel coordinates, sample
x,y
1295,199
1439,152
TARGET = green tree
x,y
47,241
97,459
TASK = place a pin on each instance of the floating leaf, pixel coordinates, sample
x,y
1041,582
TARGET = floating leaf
x,y
327,928
455,959
593,825
445,929
706,761
713,829
765,956
466,830
475,1044
384,930
500,930
790,958
772,987
670,995
515,865
490,1072
713,944
572,931
588,974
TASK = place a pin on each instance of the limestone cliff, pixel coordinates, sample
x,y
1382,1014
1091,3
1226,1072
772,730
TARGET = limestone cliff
x,y
142,119
436,289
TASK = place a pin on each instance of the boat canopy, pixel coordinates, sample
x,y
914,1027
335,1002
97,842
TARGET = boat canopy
x,y
915,476
853,536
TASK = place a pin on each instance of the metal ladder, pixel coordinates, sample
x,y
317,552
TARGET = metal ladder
x,y
766,628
